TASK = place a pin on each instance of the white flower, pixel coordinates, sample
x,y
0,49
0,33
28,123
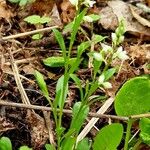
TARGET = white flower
x,y
89,3
98,56
88,19
107,85
114,37
121,54
106,48
121,39
75,3
101,79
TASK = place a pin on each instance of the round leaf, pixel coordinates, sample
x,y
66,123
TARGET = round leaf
x,y
109,137
134,97
5,144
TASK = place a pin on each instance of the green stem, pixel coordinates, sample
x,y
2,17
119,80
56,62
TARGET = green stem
x,y
136,146
129,125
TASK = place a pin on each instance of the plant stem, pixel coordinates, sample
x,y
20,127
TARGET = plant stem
x,y
129,125
137,144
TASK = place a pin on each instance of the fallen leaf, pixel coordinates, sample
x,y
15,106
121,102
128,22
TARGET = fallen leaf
x,y
68,11
132,25
38,130
5,125
4,11
141,20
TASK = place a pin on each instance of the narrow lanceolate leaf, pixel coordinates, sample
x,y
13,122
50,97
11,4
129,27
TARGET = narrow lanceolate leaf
x,y
68,143
49,147
82,47
5,144
41,83
79,114
109,137
60,97
78,83
134,97
76,25
109,73
57,61
60,41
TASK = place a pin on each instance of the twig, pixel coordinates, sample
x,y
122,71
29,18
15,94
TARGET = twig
x,y
93,121
28,33
139,116
22,61
66,111
23,94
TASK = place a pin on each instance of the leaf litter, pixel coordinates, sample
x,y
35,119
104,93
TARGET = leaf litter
x,y
61,13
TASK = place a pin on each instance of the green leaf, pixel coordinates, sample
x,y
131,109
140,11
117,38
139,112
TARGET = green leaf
x,y
79,113
109,73
68,28
97,38
91,18
60,100
57,61
78,83
109,137
49,147
145,130
23,2
37,36
68,143
82,47
45,19
41,83
84,145
14,1
25,148
60,41
34,19
76,26
94,17
134,97
5,143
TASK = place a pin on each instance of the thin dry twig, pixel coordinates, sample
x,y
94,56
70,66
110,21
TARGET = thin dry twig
x,y
22,61
23,94
28,33
66,111
92,122
49,127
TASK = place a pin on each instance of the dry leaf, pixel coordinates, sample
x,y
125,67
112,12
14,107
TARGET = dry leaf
x,y
38,130
131,25
5,125
4,11
68,11
141,20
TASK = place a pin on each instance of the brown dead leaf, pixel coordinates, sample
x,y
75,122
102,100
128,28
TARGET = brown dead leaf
x,y
140,54
5,12
28,69
38,130
141,20
56,21
131,25
108,19
68,11
5,125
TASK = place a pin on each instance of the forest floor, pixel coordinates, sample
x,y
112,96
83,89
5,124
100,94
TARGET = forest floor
x,y
21,55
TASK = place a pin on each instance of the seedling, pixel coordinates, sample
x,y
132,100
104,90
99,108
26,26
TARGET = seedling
x,y
21,2
37,21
